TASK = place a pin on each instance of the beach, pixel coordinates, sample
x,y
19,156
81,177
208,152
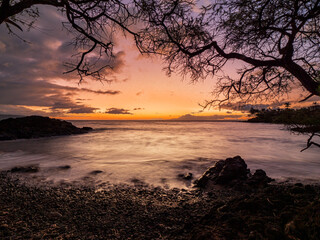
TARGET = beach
x,y
276,211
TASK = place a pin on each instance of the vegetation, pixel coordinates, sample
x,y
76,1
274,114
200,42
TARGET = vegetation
x,y
92,23
303,120
309,116
277,42
276,47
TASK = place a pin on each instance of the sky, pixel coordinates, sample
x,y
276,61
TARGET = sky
x,y
32,81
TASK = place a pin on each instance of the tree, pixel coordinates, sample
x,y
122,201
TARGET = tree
x,y
93,23
278,42
287,105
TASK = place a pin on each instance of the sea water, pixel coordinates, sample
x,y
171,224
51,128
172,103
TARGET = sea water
x,y
156,152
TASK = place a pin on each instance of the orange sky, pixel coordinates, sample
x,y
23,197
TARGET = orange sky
x,y
32,81
144,86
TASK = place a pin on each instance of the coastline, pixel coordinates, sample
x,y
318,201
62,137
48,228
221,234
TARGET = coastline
x,y
276,211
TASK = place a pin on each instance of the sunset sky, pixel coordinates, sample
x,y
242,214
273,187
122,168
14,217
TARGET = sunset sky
x,y
32,81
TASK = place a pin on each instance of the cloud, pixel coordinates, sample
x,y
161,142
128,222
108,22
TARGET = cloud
x,y
118,111
139,93
190,117
247,107
137,109
20,110
108,92
56,98
83,109
26,68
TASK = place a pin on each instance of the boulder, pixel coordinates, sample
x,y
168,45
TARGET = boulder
x,y
37,126
25,169
187,176
96,172
224,171
259,178
232,171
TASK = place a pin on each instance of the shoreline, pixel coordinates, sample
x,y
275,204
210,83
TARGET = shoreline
x,y
276,211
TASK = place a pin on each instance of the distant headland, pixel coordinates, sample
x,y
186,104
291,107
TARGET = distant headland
x,y
36,127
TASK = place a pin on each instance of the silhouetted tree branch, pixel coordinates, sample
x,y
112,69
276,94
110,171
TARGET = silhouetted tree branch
x,y
310,142
278,41
93,24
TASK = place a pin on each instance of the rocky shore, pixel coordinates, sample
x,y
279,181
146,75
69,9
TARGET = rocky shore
x,y
222,205
36,127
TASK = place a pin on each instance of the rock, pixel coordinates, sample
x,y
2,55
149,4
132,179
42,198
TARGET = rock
x,y
187,176
87,129
259,178
224,171
25,169
37,126
96,172
65,167
234,168
232,171
56,214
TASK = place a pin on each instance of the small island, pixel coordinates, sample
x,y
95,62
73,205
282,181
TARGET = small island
x,y
36,127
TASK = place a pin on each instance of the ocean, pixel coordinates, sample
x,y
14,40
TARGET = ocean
x,y
156,152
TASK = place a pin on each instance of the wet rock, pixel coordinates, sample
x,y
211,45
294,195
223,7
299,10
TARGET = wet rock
x,y
37,126
96,172
187,176
274,233
224,172
87,129
65,167
297,190
25,169
259,178
232,172
55,214
234,168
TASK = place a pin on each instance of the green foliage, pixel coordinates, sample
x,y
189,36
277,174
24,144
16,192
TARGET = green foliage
x,y
304,116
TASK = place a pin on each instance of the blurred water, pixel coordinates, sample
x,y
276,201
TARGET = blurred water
x,y
157,151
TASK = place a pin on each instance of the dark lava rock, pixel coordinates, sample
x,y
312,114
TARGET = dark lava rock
x,y
259,178
37,126
187,176
224,171
25,169
232,171
96,172
65,167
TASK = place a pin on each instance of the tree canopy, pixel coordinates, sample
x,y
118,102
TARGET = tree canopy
x,y
277,41
93,24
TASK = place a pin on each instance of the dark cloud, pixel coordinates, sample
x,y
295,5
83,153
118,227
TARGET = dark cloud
x,y
139,93
83,109
108,92
45,94
137,109
72,107
82,99
118,111
247,107
27,67
191,117
20,110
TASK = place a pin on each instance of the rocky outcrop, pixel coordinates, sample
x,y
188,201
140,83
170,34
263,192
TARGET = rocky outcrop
x,y
231,171
25,169
36,127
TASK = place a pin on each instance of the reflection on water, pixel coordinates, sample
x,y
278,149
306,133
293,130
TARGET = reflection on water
x,y
157,151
